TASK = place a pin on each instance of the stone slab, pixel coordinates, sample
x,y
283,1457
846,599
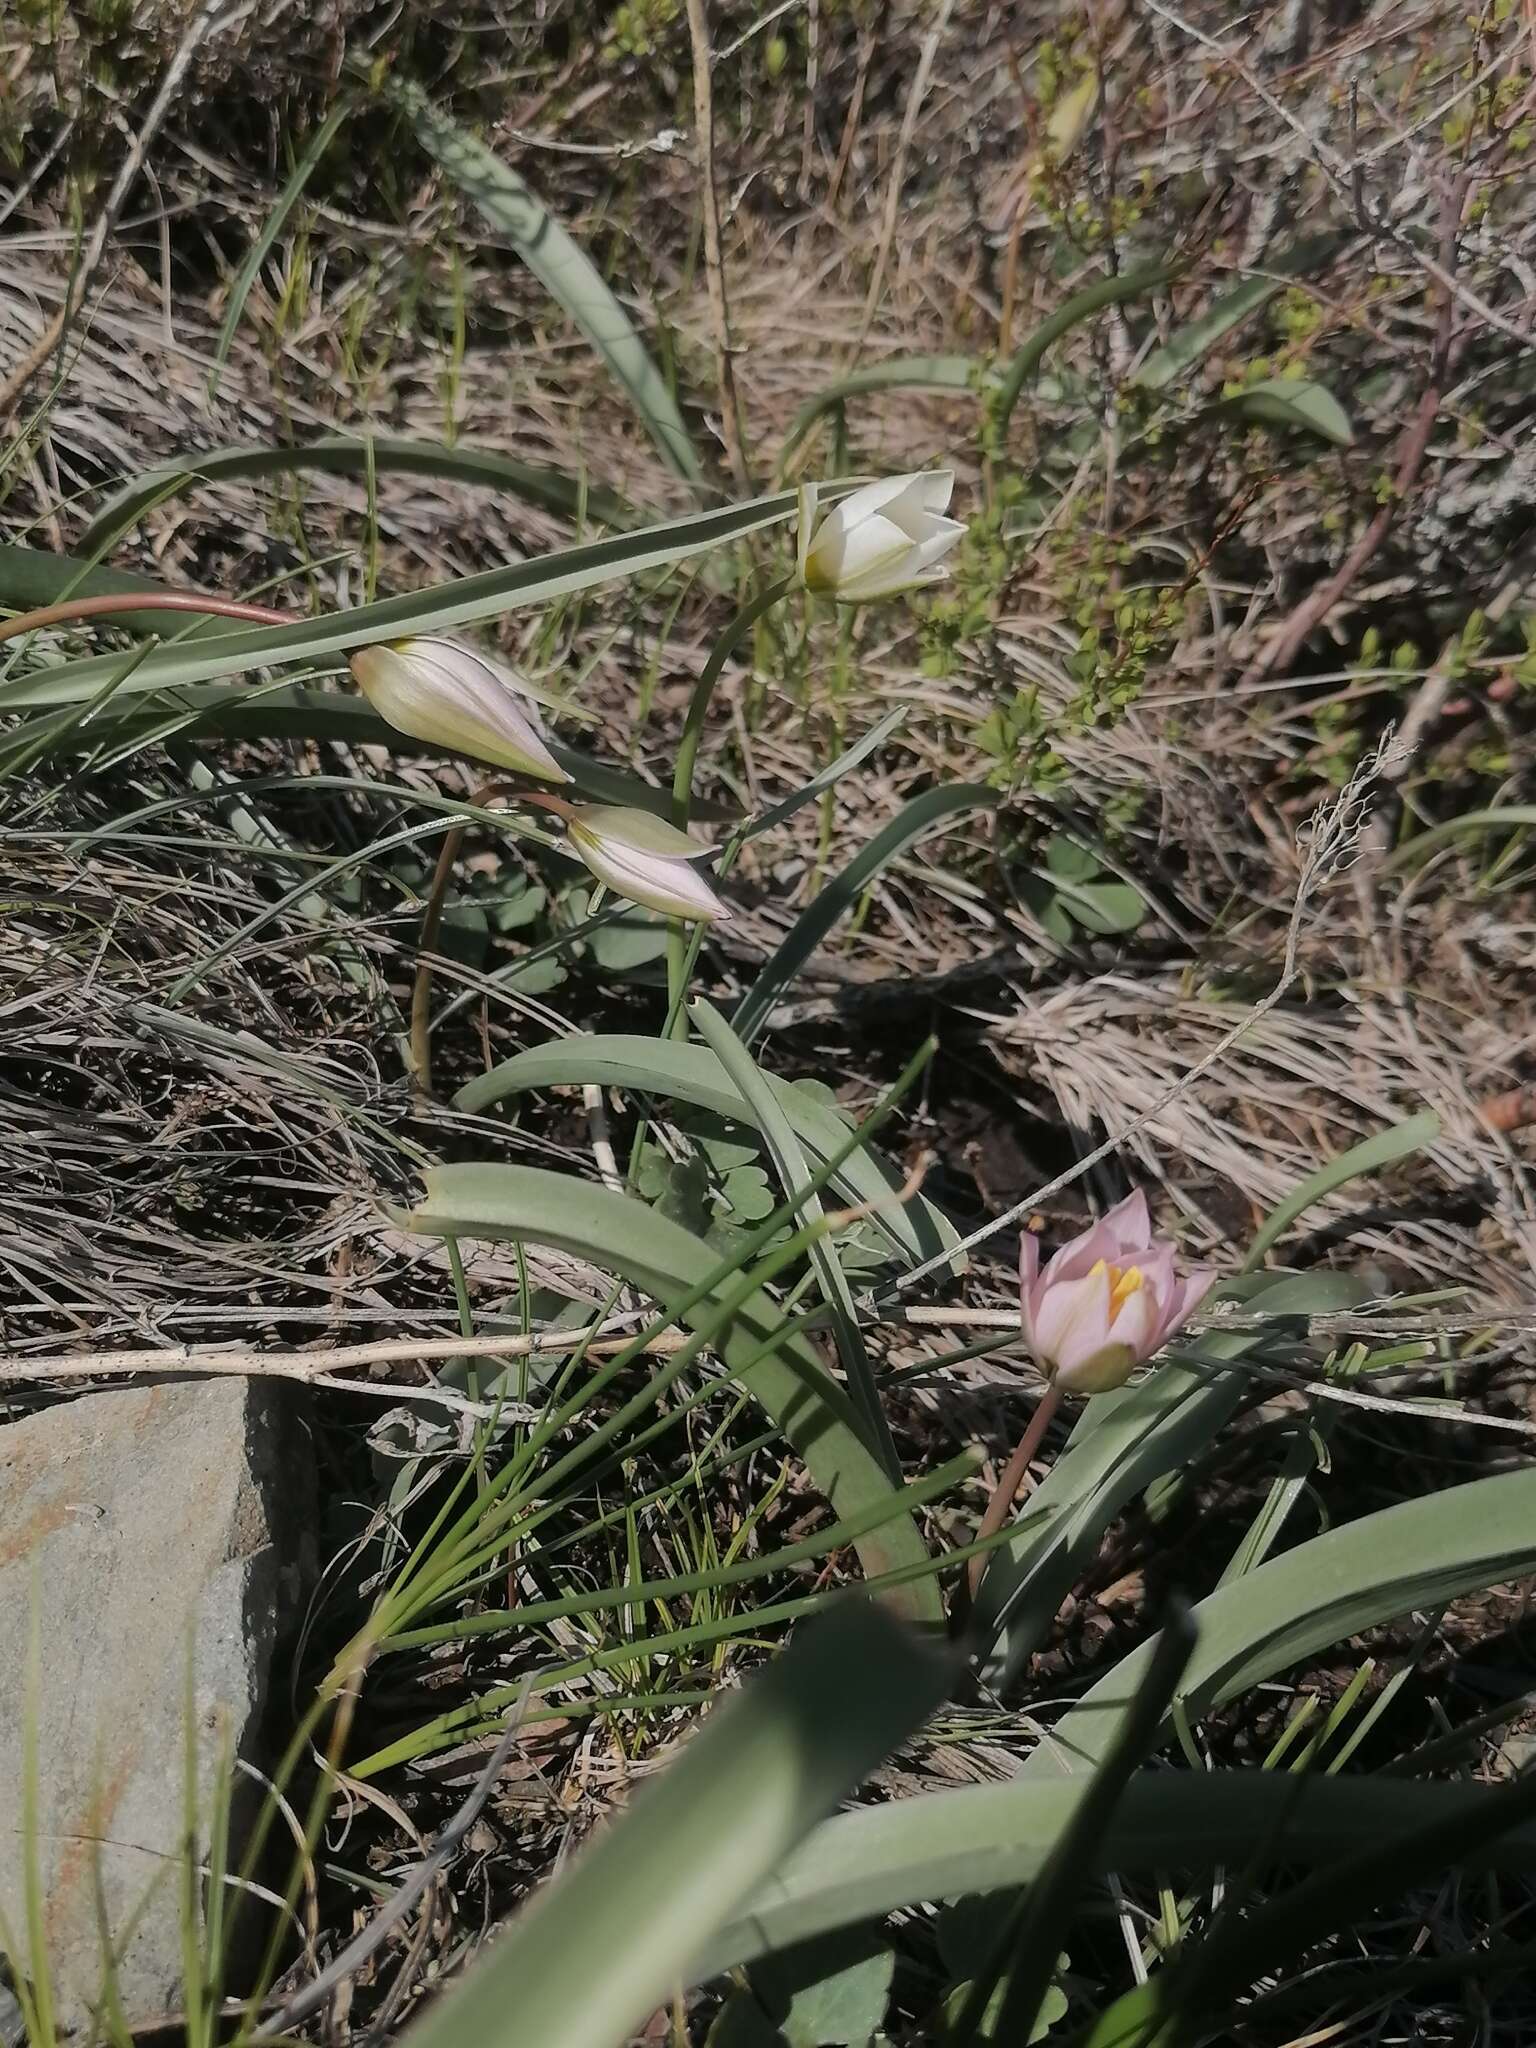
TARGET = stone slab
x,y
139,1522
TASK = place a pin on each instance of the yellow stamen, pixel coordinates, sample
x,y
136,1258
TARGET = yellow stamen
x,y
1124,1281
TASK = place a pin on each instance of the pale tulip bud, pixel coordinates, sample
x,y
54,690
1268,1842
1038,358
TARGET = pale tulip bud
x,y
884,539
643,858
443,692
1107,1301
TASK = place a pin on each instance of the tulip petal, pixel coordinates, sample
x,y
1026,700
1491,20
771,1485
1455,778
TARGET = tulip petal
x,y
842,556
1130,1223
1080,1254
1071,1319
1098,1372
1187,1297
1137,1325
661,882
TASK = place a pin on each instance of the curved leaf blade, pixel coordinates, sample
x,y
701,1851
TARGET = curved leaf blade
x,y
644,1897
1418,1553
1291,402
777,1367
843,892
565,270
439,609
691,1073
984,1838
352,455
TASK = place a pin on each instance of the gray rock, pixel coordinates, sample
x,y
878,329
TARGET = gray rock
x,y
142,1523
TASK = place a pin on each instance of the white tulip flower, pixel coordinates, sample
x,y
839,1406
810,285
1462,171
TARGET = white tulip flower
x,y
886,538
643,858
447,694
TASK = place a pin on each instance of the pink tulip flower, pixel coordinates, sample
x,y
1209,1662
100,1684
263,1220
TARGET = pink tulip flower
x,y
1107,1301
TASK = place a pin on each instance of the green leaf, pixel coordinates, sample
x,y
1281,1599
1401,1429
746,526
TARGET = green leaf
x,y
1044,1913
843,892
1291,402
829,1993
985,1838
629,943
439,609
564,270
1369,1156
777,1367
1109,291
692,1074
351,455
1069,859
1419,1553
1505,818
896,373
768,1113
1106,907
604,1945
273,226
1198,337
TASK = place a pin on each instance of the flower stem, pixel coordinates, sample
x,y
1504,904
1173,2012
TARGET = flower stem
x,y
71,608
1006,1492
736,630
431,925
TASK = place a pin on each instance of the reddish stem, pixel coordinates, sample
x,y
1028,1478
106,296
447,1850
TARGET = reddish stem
x,y
1015,1472
71,608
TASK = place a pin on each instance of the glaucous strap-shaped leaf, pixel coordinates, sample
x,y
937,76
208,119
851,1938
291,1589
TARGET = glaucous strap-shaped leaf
x,y
439,609
985,1838
693,1074
1418,1553
777,1366
606,1943
565,270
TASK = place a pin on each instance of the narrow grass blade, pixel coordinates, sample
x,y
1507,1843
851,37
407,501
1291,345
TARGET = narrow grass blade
x,y
691,1073
1109,291
777,814
896,373
359,456
564,270
843,892
273,226
778,1368
1506,818
987,1838
648,1895
438,609
1420,1553
1369,1156
1034,1938
793,1176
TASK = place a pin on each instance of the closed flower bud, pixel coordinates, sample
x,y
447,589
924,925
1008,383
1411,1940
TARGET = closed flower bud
x,y
643,858
886,538
443,692
1107,1301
